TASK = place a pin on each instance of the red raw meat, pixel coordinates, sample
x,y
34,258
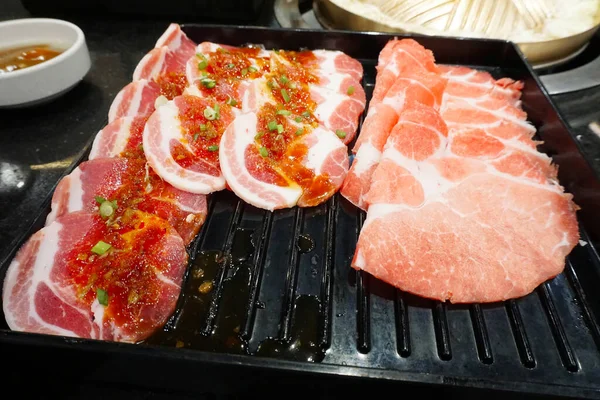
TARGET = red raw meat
x,y
120,138
135,99
132,185
56,285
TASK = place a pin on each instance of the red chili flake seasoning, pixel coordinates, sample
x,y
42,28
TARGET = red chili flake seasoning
x,y
289,85
134,148
115,264
222,70
171,84
139,188
203,121
279,143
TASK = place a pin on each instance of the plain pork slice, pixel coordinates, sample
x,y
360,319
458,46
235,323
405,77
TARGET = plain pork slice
x,y
121,137
471,83
135,99
57,285
418,86
398,57
447,222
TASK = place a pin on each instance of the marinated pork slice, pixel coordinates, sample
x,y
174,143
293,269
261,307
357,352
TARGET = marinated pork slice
x,y
289,165
78,277
227,74
181,143
339,99
110,185
120,138
417,86
332,61
446,221
135,99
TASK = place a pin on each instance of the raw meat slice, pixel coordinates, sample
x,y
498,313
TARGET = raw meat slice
x,y
468,82
445,222
131,184
396,59
135,99
336,98
277,170
181,143
160,61
461,112
311,104
176,40
120,138
58,285
332,61
473,246
418,86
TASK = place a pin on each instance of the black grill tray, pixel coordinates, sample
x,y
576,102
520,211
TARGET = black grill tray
x,y
286,307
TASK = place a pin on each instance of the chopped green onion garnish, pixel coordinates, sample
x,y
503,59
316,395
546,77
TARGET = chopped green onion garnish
x,y
279,128
106,209
200,55
283,112
202,64
214,147
231,102
270,84
244,71
272,125
259,135
196,136
99,199
230,66
252,69
208,83
284,79
341,134
299,132
202,127
298,119
286,96
217,113
101,247
350,90
102,296
306,114
263,152
292,85
209,113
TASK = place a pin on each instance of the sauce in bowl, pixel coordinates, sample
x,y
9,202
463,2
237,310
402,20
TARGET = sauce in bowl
x,y
26,56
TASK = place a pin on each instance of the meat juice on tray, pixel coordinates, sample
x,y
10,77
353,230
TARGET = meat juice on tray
x,y
460,205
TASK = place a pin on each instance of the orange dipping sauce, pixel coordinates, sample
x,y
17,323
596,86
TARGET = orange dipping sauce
x,y
26,56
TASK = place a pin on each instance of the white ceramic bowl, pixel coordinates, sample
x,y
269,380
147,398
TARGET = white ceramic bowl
x,y
49,79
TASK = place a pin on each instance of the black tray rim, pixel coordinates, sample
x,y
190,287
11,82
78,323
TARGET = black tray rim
x,y
249,362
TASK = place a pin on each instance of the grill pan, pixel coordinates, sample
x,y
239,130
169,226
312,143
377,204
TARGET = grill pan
x,y
287,308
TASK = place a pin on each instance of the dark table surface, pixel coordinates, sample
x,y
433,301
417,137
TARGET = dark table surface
x,y
38,144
